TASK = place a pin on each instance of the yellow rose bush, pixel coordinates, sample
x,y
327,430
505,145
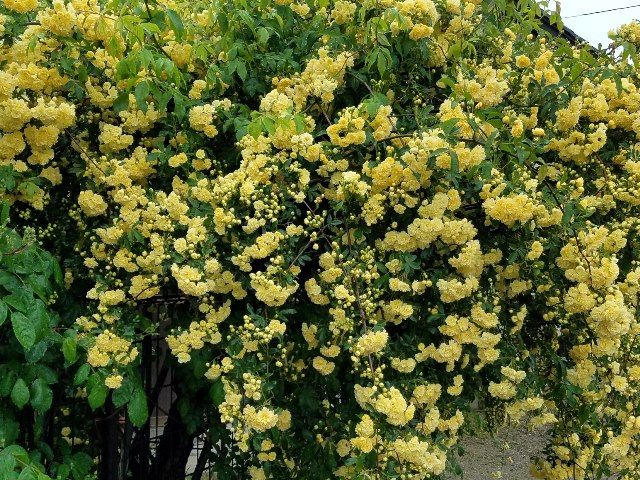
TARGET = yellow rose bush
x,y
378,221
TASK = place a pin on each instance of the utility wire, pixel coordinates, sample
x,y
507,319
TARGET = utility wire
x,y
604,11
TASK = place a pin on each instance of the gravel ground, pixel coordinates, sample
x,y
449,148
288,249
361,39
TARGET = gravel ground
x,y
506,456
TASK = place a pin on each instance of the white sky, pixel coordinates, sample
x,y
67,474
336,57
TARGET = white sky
x,y
594,28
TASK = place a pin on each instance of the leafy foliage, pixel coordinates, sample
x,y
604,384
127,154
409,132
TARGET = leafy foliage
x,y
32,366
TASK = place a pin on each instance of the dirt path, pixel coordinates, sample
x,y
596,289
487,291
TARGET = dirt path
x,y
505,456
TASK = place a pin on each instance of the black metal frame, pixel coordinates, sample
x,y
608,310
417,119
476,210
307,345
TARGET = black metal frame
x,y
129,452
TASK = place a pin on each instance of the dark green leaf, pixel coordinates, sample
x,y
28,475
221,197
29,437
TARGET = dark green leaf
x,y
28,473
4,311
123,394
24,329
41,395
176,23
57,273
7,464
21,300
82,374
7,379
9,430
383,40
241,70
121,103
141,91
69,349
35,353
216,392
137,408
568,213
98,395
4,213
262,34
82,464
384,61
39,317
20,393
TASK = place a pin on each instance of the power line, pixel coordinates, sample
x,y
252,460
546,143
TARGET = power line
x,y
604,11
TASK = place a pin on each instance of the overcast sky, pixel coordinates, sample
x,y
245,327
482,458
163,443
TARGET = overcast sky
x,y
594,28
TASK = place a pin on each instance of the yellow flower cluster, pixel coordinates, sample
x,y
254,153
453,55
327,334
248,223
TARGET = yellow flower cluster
x,y
372,342
348,130
320,78
343,11
109,350
201,117
92,204
21,6
629,32
33,118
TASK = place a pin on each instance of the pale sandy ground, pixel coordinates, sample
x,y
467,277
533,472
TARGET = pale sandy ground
x,y
508,453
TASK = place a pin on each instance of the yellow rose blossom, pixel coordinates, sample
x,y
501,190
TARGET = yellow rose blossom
x,y
21,6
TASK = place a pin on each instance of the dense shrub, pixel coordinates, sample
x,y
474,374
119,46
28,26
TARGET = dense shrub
x,y
379,214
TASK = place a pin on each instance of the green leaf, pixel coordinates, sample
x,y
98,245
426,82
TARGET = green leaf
x,y
41,395
20,393
57,273
121,103
383,40
4,312
28,473
9,431
455,166
262,34
241,70
268,125
17,452
246,18
384,61
137,408
24,329
35,353
7,379
618,81
485,169
42,476
39,317
123,394
568,213
300,124
81,465
39,284
97,394
371,59
141,91
150,27
82,374
69,349
7,464
176,23
216,392
22,300
255,128
63,471
4,213
375,102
